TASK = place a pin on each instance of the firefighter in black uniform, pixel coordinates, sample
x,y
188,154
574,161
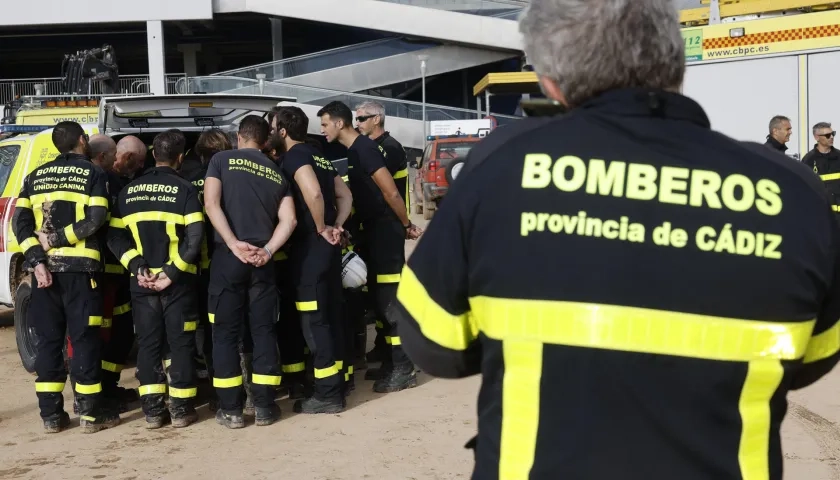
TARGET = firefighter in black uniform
x,y
385,223
323,204
370,121
156,233
60,208
117,306
702,284
824,160
250,206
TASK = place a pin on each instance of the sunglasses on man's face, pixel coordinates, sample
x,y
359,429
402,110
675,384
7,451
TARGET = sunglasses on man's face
x,y
828,135
364,118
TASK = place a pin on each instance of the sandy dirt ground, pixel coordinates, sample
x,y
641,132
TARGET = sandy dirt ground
x,y
411,435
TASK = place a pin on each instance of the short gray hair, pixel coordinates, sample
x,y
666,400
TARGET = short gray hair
x,y
373,108
776,122
592,46
819,126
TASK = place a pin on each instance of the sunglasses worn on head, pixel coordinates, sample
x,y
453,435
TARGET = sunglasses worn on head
x,y
364,118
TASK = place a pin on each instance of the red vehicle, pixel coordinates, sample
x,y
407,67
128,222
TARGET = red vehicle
x,y
440,164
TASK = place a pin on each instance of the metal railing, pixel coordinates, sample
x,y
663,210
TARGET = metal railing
x,y
327,59
129,84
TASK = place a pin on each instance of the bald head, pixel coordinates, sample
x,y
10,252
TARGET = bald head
x,y
103,151
131,154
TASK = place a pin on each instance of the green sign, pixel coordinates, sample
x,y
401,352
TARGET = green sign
x,y
693,40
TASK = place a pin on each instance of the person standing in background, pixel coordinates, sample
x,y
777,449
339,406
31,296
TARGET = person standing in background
x,y
780,130
824,160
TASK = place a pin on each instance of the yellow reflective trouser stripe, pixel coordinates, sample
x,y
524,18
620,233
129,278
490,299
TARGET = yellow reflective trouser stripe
x,y
830,176
124,308
294,367
23,203
112,367
519,325
29,243
327,372
88,389
390,278
153,389
258,379
75,252
71,235
211,317
128,257
306,306
835,208
174,254
95,321
823,345
393,341
227,382
116,269
280,255
448,330
348,373
190,326
49,387
339,364
183,392
401,174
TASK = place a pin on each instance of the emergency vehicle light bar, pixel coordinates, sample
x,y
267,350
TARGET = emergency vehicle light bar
x,y
441,137
24,128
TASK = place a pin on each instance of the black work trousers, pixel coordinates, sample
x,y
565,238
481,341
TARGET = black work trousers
x,y
289,334
72,305
205,322
235,287
119,340
317,271
161,318
384,254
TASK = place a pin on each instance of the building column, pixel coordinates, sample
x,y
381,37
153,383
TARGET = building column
x,y
157,61
190,51
277,45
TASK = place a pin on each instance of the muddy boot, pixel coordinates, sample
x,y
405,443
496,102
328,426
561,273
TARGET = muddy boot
x,y
245,363
56,423
314,405
93,416
349,385
154,407
230,420
378,353
382,371
182,412
267,415
398,378
157,421
213,404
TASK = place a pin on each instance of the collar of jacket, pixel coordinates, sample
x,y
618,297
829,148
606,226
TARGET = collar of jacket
x,y
832,153
382,137
645,102
776,144
155,170
72,156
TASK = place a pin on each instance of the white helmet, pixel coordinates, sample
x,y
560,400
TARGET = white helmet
x,y
353,271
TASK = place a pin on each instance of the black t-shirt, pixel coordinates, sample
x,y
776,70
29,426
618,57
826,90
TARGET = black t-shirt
x,y
364,158
252,189
396,162
297,157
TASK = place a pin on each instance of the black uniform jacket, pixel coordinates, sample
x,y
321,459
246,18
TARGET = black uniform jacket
x,y
637,291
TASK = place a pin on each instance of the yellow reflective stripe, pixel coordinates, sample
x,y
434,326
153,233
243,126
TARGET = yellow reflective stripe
x,y
641,330
75,252
521,404
227,382
280,255
379,324
167,217
124,308
153,389
763,378
830,176
174,254
115,269
183,392
390,278
116,223
190,326
835,208
167,363
193,218
106,323
72,239
135,234
350,369
823,345
211,317
95,321
294,367
39,218
401,174
327,372
29,243
451,331
393,341
205,263
307,306
345,178
128,257
49,387
23,203
339,364
153,270
88,389
258,379
112,367
98,202
40,198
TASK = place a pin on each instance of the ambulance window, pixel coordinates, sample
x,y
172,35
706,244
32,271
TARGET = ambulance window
x,y
8,156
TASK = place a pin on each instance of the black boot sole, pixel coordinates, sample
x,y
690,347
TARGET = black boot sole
x,y
391,388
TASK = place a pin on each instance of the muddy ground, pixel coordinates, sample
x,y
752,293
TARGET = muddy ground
x,y
411,435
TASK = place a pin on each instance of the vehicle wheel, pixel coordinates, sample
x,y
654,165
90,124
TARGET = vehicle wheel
x,y
453,170
27,340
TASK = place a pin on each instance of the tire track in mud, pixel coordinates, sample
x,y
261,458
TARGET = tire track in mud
x,y
823,431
